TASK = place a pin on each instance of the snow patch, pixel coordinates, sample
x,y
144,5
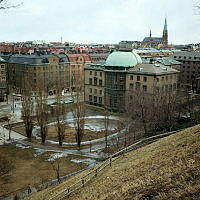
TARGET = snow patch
x,y
22,146
55,156
88,161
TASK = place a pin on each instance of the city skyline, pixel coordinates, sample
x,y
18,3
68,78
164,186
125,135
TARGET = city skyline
x,y
100,21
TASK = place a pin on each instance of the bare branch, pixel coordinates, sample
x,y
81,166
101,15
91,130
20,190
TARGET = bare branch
x,y
5,5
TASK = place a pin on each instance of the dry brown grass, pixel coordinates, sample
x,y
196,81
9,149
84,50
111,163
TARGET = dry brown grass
x,y
69,134
28,169
167,169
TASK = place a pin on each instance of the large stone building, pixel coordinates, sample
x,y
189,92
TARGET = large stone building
x,y
190,67
3,85
157,41
37,72
76,68
54,72
106,85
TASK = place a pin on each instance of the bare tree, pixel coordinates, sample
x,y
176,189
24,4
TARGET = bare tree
x,y
28,110
42,113
60,111
140,107
106,127
56,168
10,119
5,5
78,112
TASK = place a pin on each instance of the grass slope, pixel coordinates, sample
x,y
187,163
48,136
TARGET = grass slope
x,y
166,169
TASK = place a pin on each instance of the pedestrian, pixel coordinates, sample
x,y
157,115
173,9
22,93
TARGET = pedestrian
x,y
29,188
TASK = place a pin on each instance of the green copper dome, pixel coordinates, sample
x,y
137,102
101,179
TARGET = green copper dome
x,y
123,59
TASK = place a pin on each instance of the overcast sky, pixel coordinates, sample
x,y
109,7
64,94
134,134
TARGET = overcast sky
x,y
100,21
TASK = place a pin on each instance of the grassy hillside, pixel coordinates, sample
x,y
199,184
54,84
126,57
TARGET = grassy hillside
x,y
167,169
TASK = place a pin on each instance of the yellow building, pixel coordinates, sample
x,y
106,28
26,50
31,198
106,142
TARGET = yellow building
x,y
107,85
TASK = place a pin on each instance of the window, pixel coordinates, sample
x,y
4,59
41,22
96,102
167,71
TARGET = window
x,y
100,73
2,66
145,78
174,86
100,100
157,79
90,90
90,97
100,82
137,85
166,78
170,88
95,81
162,79
144,88
95,91
95,99
131,77
138,78
121,87
100,92
90,81
95,73
131,85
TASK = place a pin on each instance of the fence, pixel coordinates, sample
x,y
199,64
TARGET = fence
x,y
65,193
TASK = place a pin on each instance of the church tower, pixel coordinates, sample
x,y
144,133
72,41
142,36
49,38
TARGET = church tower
x,y
165,34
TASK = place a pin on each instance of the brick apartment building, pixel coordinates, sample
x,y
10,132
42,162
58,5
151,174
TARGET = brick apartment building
x,y
190,67
3,84
51,71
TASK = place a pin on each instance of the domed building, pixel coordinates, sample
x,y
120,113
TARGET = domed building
x,y
123,59
105,85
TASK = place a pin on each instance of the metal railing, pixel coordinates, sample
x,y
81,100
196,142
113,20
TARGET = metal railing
x,y
69,190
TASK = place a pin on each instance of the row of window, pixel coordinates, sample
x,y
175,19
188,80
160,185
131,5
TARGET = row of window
x,y
193,72
184,57
95,81
95,73
167,78
138,78
95,99
49,67
95,91
190,62
144,87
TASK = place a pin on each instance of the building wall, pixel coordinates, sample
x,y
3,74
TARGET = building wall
x,y
3,84
190,67
76,72
53,76
148,83
94,86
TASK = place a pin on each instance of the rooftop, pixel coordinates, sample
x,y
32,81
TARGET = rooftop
x,y
123,59
152,69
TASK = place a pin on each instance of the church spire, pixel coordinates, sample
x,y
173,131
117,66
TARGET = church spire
x,y
150,33
165,26
165,34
